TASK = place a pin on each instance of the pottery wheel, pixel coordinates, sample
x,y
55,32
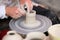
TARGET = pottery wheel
x,y
45,23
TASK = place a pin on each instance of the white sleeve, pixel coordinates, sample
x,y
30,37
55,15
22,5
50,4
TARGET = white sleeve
x,y
35,4
2,12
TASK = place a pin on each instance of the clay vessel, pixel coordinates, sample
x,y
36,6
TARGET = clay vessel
x,y
12,35
35,36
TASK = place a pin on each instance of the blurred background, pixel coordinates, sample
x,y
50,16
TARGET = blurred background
x,y
52,11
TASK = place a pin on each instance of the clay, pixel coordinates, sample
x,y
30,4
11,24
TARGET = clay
x,y
30,21
12,35
54,32
36,36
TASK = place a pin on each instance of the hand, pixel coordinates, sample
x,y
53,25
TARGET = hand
x,y
14,12
28,4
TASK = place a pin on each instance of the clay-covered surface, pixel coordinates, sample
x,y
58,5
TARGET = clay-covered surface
x,y
43,27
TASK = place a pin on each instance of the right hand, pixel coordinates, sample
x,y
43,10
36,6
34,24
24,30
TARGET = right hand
x,y
14,12
28,4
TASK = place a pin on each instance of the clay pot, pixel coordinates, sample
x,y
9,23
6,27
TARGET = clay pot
x,y
54,32
12,35
35,36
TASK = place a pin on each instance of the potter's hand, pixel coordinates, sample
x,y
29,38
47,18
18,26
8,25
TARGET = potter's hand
x,y
28,4
14,12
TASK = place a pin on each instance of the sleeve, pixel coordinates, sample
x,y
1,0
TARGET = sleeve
x,y
35,4
2,12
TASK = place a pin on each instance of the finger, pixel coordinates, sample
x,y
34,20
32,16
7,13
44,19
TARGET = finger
x,y
18,16
18,12
15,17
22,12
29,4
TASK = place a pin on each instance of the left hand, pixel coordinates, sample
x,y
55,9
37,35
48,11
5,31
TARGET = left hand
x,y
14,12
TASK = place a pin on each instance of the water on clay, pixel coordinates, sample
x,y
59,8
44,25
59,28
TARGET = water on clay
x,y
33,22
16,25
32,25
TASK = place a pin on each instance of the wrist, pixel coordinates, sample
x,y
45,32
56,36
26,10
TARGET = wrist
x,y
7,11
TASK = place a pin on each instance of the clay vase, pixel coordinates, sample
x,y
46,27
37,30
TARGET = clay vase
x,y
54,32
12,35
35,36
31,21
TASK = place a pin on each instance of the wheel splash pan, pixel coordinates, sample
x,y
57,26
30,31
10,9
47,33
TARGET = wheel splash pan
x,y
43,27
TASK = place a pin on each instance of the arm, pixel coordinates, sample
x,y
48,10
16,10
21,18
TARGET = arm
x,y
13,12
